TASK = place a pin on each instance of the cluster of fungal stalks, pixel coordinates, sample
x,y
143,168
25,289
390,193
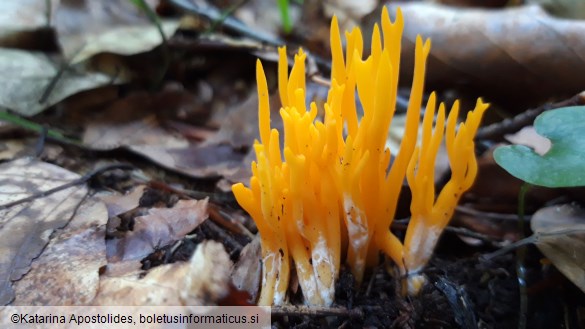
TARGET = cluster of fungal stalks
x,y
331,190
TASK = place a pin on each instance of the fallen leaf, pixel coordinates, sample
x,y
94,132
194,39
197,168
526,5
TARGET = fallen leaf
x,y
67,271
118,204
25,79
131,124
128,40
239,127
494,50
161,227
208,278
147,131
247,271
86,28
25,229
202,281
560,235
563,8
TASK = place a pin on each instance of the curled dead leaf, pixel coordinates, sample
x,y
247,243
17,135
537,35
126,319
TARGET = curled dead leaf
x,y
204,280
495,50
161,227
560,235
67,271
26,228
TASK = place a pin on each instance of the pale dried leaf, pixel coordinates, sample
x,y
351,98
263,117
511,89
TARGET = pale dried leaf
x,y
129,123
159,287
563,8
25,229
208,277
202,281
494,51
86,28
67,271
118,204
560,235
25,77
127,40
247,271
161,227
108,135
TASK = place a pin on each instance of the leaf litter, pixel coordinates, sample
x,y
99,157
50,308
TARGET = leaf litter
x,y
151,252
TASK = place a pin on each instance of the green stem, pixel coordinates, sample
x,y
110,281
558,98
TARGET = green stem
x,y
35,127
521,257
285,16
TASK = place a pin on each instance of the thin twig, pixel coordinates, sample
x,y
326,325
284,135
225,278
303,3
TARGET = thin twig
x,y
497,130
490,215
466,232
82,180
213,14
317,311
403,225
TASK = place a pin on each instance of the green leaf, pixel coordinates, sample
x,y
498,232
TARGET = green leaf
x,y
564,164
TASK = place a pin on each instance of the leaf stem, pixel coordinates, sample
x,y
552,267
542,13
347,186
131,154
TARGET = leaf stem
x,y
521,257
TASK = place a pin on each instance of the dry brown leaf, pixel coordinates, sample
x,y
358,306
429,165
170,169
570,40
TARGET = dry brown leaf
x,y
25,229
67,271
521,52
86,28
26,76
161,227
560,235
202,281
118,204
106,135
197,161
208,278
159,287
248,269
130,123
239,127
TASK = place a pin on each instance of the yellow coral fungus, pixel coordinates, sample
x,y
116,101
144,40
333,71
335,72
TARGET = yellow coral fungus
x,y
337,172
429,217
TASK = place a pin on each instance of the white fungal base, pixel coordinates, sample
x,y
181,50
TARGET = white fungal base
x,y
414,283
357,231
324,271
275,259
